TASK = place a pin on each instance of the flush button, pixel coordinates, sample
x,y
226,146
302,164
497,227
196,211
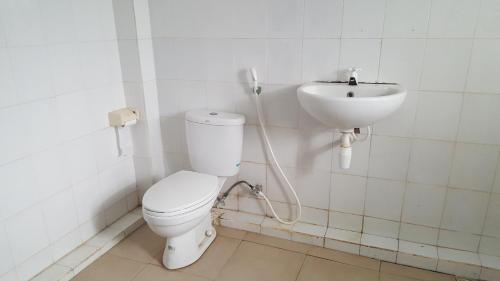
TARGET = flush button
x,y
214,113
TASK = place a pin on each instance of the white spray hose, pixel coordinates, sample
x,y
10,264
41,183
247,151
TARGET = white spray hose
x,y
256,91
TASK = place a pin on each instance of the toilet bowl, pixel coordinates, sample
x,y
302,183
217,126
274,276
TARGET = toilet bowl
x,y
178,206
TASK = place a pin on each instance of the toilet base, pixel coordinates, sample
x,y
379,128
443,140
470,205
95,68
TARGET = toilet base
x,y
185,249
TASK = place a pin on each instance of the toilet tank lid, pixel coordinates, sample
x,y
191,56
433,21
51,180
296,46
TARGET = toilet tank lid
x,y
180,191
215,118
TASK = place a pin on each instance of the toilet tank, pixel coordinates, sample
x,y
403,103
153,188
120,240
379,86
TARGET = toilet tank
x,y
214,141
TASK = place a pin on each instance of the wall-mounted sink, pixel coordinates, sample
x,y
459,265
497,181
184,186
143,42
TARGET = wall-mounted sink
x,y
344,107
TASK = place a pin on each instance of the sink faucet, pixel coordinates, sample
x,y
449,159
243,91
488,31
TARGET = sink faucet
x,y
353,76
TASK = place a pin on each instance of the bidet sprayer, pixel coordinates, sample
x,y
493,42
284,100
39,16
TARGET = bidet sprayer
x,y
256,88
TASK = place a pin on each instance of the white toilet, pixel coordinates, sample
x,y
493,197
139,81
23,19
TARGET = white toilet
x,y
178,206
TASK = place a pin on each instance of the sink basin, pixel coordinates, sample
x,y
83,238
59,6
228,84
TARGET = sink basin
x,y
344,107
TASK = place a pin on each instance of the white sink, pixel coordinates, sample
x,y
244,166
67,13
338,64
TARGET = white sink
x,y
329,102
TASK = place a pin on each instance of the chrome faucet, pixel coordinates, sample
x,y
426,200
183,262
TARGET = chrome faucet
x,y
353,76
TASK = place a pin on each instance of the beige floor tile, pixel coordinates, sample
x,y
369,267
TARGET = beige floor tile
x,y
110,268
230,232
216,256
143,245
277,242
156,273
416,273
392,277
259,262
318,269
346,258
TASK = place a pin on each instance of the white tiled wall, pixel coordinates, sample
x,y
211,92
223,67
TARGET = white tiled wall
x,y
429,174
61,180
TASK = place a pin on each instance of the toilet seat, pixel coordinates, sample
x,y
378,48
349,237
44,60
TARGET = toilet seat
x,y
181,193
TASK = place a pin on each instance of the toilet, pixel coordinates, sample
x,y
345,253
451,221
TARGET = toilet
x,y
178,206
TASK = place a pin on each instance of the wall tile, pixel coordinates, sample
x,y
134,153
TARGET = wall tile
x,y
192,96
34,264
474,167
315,150
80,159
129,59
488,20
285,18
438,115
66,71
400,123
60,223
145,48
345,221
312,187
243,23
479,115
492,223
29,68
26,232
125,19
484,66
380,227
323,18
66,244
105,148
94,20
253,147
384,199
389,157
496,185
22,22
362,53
58,21
464,211
73,115
285,144
116,182
401,61
430,162
18,191
423,204
458,240
445,64
276,187
178,58
363,19
253,173
50,172
3,43
14,142
284,60
406,18
453,19
281,106
5,252
347,193
489,246
320,59
7,90
249,53
418,234
90,199
96,64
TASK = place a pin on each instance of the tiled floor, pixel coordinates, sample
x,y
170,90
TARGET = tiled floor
x,y
240,255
